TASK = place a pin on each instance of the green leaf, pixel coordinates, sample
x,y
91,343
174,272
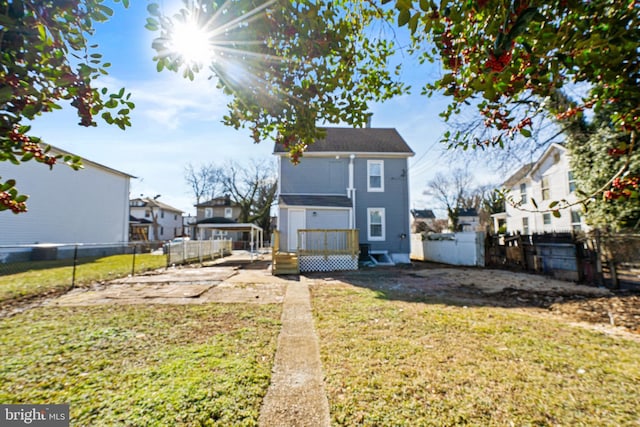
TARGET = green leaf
x,y
425,5
553,204
525,132
556,213
154,9
403,17
533,202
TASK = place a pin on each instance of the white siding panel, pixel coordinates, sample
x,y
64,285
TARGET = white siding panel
x,y
66,206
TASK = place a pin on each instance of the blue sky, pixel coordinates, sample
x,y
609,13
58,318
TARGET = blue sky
x,y
177,121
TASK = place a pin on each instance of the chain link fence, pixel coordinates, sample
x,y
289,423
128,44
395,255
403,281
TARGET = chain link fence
x,y
26,270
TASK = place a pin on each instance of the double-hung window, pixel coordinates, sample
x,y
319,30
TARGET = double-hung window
x,y
523,193
572,182
546,189
208,212
375,224
375,175
228,212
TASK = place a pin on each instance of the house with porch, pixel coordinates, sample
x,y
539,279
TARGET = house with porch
x,y
348,195
219,210
153,220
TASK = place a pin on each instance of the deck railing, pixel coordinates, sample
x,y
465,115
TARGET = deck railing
x,y
328,242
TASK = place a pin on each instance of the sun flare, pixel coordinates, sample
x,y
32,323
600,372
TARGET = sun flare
x,y
192,43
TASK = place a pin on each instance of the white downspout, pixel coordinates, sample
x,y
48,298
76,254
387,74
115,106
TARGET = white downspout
x,y
351,191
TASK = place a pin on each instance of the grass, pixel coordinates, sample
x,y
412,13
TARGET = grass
x,y
42,277
392,362
156,365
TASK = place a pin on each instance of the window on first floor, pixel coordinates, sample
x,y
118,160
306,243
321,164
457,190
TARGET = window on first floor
x,y
525,226
375,224
546,219
576,221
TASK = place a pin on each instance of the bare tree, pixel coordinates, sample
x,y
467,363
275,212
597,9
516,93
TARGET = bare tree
x,y
204,180
450,191
253,189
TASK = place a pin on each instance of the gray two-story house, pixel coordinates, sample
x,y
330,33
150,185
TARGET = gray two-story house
x,y
352,179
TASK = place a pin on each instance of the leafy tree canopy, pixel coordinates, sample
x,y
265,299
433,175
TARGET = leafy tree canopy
x,y
47,60
299,63
287,65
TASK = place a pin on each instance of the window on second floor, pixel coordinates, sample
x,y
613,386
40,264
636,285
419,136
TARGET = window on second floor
x,y
161,213
208,212
546,218
572,182
147,213
523,193
525,226
546,190
228,212
375,220
375,175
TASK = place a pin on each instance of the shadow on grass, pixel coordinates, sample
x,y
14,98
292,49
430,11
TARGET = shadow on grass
x,y
23,267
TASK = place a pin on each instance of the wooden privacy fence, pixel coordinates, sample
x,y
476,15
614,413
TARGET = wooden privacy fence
x,y
197,250
595,257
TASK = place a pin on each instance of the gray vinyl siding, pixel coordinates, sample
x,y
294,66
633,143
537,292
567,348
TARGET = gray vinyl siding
x,y
324,219
315,176
327,219
394,199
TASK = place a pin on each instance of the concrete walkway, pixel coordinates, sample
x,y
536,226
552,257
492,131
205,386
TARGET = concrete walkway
x,y
296,396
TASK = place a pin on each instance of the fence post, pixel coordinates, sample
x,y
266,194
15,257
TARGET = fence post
x,y
133,263
75,263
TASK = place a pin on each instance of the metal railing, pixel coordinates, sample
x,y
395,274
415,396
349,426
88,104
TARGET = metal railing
x,y
197,250
328,242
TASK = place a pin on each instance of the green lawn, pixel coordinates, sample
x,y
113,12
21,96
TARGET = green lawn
x,y
156,365
41,277
394,363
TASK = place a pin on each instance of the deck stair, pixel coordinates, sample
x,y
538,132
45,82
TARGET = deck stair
x,y
285,263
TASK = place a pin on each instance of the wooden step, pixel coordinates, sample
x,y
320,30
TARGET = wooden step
x,y
285,263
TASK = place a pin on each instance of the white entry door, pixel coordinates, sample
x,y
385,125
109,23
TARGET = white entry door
x,y
296,222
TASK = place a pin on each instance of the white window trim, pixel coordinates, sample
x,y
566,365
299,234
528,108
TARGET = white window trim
x,y
369,236
375,189
228,212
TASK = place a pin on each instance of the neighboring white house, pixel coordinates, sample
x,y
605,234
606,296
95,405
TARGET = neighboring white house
x,y
90,205
157,220
548,179
468,220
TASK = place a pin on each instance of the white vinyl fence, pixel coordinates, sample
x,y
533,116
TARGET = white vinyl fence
x,y
197,250
465,248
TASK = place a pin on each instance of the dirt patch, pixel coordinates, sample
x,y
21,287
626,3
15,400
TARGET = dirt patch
x,y
616,311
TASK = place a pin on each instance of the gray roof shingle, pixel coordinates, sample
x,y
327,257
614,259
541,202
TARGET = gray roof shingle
x,y
357,140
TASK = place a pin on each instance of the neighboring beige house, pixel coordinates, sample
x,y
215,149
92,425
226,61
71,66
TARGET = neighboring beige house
x,y
423,220
548,179
154,220
220,210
